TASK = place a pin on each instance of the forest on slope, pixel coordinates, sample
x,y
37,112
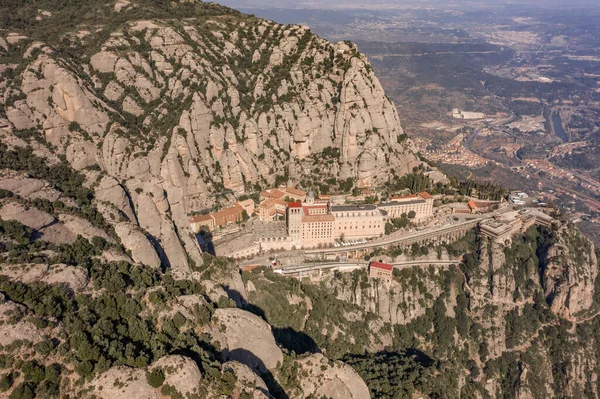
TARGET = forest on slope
x,y
118,119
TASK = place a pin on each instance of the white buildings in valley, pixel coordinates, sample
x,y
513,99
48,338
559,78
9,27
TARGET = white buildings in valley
x,y
460,114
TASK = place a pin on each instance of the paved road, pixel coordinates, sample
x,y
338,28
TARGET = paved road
x,y
307,267
399,239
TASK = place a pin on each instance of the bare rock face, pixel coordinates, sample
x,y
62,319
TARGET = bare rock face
x,y
570,275
207,129
248,380
83,227
180,372
134,239
15,331
20,331
319,378
104,61
81,154
246,338
31,217
121,383
75,278
27,187
46,226
393,301
111,191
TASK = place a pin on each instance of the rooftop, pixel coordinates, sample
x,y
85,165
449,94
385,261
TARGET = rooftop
x,y
403,197
228,211
307,208
383,266
200,218
350,208
394,203
317,218
246,202
269,202
295,191
272,193
425,195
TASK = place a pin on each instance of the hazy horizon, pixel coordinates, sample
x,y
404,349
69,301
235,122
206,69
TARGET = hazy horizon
x,y
381,4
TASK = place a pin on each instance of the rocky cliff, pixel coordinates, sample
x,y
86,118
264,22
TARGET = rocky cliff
x,y
509,320
171,116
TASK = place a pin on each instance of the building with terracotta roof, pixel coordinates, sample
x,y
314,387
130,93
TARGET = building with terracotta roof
x,y
248,206
221,218
228,215
421,204
271,193
287,193
472,206
270,209
197,223
381,270
295,194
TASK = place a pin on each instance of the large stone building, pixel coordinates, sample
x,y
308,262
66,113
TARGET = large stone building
x,y
319,223
421,204
503,227
381,270
312,224
221,218
358,221
200,222
287,193
270,209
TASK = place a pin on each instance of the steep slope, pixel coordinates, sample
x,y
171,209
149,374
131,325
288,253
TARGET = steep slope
x,y
517,320
79,318
171,116
117,120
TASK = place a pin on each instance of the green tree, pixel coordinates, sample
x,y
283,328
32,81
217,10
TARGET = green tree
x,y
156,377
24,390
6,381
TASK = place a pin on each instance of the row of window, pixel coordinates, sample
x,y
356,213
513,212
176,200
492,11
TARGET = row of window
x,y
364,227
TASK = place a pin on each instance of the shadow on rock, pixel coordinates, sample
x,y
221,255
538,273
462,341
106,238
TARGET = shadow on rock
x,y
251,360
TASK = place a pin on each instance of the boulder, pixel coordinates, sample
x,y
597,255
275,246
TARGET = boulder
x,y
104,61
248,380
110,190
120,383
83,227
246,338
76,278
20,331
180,372
30,217
319,377
134,240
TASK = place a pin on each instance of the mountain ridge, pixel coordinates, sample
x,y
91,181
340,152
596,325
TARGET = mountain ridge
x,y
169,117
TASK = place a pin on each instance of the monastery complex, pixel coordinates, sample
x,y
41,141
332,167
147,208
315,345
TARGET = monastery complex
x,y
290,219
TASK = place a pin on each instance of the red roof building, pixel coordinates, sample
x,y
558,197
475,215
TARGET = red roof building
x,y
380,270
472,206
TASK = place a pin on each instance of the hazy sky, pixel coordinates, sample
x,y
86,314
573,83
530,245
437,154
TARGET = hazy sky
x,y
341,4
